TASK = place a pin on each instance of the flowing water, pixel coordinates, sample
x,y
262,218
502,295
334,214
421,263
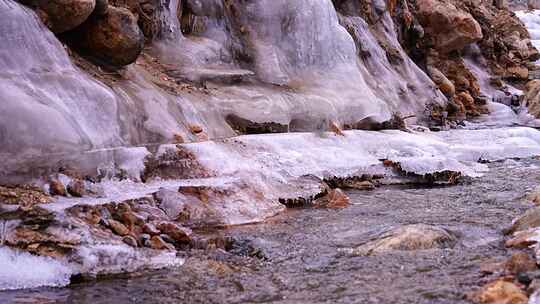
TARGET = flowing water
x,y
297,257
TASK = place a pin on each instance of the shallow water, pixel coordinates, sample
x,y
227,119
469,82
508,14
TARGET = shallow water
x,y
296,258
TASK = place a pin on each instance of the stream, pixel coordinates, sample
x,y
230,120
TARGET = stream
x,y
300,255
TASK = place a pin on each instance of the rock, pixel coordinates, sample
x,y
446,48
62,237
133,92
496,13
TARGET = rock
x,y
500,292
517,72
520,262
158,243
64,15
176,232
444,84
195,129
532,97
531,219
335,198
361,185
408,238
334,127
113,39
534,196
56,187
150,229
130,240
102,7
522,239
118,227
76,188
450,28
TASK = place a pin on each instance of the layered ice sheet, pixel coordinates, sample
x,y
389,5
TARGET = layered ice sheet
x,y
22,270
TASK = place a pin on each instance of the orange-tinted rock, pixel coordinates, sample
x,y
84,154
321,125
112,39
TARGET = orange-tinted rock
x,y
500,292
76,188
450,28
118,227
520,262
176,232
156,242
335,198
56,187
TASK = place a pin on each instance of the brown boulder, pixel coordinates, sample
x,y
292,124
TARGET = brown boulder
x,y
335,198
500,292
176,232
532,97
63,15
450,28
114,38
156,242
76,188
118,228
56,187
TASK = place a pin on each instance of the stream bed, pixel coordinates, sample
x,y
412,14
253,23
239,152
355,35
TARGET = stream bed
x,y
300,255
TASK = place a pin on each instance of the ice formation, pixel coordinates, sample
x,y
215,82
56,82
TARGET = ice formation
x,y
22,270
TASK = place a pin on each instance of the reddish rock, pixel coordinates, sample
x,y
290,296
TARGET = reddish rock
x,y
130,240
150,229
114,38
335,198
63,15
118,228
158,243
195,129
450,28
76,188
520,262
500,292
176,232
56,187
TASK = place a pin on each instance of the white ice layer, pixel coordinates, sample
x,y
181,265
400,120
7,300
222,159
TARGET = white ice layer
x,y
292,155
22,270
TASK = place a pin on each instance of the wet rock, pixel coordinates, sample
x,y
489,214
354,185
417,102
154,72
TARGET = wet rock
x,y
118,227
156,242
531,219
522,239
176,163
520,262
63,15
130,240
335,198
177,233
500,292
76,188
408,238
56,187
113,39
